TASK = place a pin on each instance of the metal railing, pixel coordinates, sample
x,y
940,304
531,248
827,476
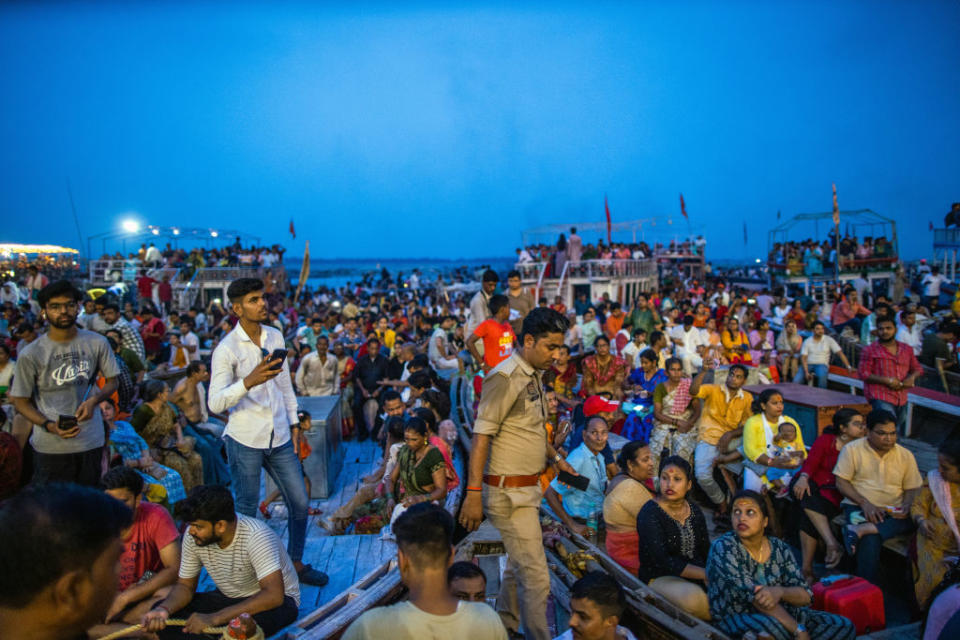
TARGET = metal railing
x,y
949,237
589,269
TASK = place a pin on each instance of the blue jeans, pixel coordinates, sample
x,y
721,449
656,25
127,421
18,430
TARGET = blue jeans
x,y
283,465
899,411
209,447
819,371
853,323
868,548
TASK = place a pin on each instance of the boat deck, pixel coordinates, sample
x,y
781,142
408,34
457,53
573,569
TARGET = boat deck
x,y
346,558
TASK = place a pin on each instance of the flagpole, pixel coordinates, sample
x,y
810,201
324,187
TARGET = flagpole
x,y
836,238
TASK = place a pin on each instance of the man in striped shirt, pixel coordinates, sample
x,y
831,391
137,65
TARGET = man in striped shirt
x,y
246,561
888,368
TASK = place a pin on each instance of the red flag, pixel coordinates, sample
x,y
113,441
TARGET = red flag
x,y
683,207
607,207
292,232
931,226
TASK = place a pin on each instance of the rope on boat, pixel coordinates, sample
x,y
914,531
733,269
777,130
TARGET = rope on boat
x,y
177,622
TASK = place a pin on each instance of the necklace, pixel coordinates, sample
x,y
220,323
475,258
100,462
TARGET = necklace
x,y
758,557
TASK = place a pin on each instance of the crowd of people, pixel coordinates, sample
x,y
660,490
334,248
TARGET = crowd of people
x,y
812,258
174,415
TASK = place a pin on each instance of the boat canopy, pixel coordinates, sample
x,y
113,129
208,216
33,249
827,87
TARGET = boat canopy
x,y
859,222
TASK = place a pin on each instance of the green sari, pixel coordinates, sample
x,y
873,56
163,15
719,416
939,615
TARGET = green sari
x,y
414,476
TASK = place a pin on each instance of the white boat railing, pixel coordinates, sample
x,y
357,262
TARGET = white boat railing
x,y
589,269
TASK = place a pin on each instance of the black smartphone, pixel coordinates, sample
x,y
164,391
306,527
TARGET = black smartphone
x,y
280,354
577,482
66,422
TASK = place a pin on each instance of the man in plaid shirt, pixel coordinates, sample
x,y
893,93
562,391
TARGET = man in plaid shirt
x,y
888,368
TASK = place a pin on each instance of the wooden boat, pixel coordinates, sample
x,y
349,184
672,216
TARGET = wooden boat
x,y
648,614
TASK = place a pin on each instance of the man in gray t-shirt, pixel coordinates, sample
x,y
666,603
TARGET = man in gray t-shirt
x,y
54,387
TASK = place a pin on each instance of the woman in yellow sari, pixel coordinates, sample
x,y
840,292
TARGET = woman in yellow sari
x,y
936,513
736,345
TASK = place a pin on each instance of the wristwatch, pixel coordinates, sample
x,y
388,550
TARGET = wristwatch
x,y
48,422
557,458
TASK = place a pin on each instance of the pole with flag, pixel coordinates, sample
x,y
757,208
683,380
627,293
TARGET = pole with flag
x,y
836,236
683,211
292,232
304,269
606,206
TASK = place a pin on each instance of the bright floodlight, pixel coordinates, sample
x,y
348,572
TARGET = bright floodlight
x,y
131,226
214,234
176,232
156,232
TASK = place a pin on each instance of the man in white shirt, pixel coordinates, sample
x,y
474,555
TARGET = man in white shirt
x,y
244,558
480,302
690,344
815,356
253,384
424,552
317,373
931,287
441,356
189,339
910,330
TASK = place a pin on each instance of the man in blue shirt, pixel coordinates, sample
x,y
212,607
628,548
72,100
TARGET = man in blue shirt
x,y
572,505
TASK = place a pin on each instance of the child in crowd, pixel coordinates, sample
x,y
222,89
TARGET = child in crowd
x,y
784,444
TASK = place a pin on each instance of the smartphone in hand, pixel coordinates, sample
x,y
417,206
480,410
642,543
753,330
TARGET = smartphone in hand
x,y
278,356
577,482
65,423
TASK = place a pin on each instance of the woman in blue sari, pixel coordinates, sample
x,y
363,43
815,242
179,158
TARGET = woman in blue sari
x,y
643,380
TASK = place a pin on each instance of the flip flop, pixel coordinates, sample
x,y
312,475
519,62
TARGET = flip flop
x,y
850,540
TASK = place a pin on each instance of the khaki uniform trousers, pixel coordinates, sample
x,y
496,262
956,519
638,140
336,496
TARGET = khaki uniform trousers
x,y
516,515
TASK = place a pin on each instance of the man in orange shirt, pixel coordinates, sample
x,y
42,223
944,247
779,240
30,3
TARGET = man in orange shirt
x,y
496,333
614,321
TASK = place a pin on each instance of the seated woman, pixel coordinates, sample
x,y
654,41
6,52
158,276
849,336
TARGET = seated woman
x,y
736,346
760,452
674,541
157,424
937,512
419,474
762,350
788,344
433,438
626,495
756,587
644,381
816,489
603,371
135,453
675,416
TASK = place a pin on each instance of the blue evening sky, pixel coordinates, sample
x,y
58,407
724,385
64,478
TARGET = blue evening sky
x,y
443,129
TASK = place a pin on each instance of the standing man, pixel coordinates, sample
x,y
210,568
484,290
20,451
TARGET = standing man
x,y
263,430
496,334
931,288
725,409
317,373
888,368
521,301
574,246
480,303
54,387
510,431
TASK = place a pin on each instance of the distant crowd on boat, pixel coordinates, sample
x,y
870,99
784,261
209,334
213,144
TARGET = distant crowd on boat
x,y
116,392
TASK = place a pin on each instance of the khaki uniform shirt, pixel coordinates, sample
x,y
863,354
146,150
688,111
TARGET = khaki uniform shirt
x,y
513,410
880,479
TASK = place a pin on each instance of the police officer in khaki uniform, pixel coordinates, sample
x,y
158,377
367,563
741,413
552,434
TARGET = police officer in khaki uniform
x,y
510,430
